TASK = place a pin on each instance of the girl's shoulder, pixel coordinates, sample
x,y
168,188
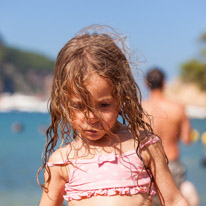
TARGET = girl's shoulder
x,y
60,156
129,139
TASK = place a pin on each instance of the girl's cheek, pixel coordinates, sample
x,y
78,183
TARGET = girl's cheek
x,y
77,115
111,119
79,118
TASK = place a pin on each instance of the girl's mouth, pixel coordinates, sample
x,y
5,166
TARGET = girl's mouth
x,y
91,131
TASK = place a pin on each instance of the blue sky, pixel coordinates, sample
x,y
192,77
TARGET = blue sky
x,y
165,33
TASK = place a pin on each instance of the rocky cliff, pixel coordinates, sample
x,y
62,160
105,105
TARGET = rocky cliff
x,y
186,93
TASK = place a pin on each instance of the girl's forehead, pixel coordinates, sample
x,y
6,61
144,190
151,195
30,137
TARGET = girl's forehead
x,y
96,87
97,82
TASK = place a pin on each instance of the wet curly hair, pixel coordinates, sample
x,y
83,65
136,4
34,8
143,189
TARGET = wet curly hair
x,y
107,55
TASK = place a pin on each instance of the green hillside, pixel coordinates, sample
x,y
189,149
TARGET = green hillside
x,y
24,71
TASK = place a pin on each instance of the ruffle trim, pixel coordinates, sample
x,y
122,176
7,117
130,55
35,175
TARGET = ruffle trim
x,y
78,195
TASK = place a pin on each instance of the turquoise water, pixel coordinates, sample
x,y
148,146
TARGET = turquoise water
x,y
21,157
192,157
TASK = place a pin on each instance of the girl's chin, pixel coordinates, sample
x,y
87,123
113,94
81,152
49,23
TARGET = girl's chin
x,y
94,138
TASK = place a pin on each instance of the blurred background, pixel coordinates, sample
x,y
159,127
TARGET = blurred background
x,y
167,34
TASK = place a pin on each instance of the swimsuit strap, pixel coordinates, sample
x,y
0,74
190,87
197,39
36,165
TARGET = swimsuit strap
x,y
60,163
148,141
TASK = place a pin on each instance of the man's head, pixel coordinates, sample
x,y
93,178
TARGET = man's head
x,y
155,79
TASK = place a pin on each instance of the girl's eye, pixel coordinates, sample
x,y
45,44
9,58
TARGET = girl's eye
x,y
104,105
77,106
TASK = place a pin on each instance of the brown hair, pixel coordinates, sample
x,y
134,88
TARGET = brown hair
x,y
99,53
155,78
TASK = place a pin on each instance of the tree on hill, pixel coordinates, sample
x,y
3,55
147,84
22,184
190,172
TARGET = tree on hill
x,y
195,70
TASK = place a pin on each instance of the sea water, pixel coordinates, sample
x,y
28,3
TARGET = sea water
x,y
22,141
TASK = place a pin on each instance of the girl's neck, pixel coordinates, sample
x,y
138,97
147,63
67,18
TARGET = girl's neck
x,y
105,145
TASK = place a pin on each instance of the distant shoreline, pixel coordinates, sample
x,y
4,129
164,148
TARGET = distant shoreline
x,y
186,93
24,103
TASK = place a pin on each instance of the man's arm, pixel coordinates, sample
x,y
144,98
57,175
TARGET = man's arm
x,y
185,128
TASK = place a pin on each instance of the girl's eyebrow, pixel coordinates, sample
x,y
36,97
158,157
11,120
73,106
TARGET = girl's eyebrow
x,y
107,98
76,101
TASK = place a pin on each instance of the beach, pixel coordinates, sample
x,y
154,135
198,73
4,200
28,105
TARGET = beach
x,y
26,103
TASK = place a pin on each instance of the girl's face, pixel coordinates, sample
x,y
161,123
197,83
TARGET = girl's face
x,y
93,125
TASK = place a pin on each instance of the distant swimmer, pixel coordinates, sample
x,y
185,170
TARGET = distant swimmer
x,y
172,125
42,129
17,127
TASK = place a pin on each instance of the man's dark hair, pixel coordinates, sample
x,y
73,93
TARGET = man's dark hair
x,y
155,78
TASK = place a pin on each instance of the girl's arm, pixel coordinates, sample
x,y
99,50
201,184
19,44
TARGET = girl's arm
x,y
154,157
54,196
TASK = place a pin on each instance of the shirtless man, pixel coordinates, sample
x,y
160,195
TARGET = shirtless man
x,y
172,125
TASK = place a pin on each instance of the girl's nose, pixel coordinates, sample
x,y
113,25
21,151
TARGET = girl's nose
x,y
92,118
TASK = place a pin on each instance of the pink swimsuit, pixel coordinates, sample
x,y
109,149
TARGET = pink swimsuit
x,y
107,175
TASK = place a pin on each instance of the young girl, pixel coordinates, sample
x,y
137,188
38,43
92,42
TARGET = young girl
x,y
101,161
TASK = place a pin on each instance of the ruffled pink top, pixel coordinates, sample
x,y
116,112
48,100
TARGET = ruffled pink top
x,y
107,175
